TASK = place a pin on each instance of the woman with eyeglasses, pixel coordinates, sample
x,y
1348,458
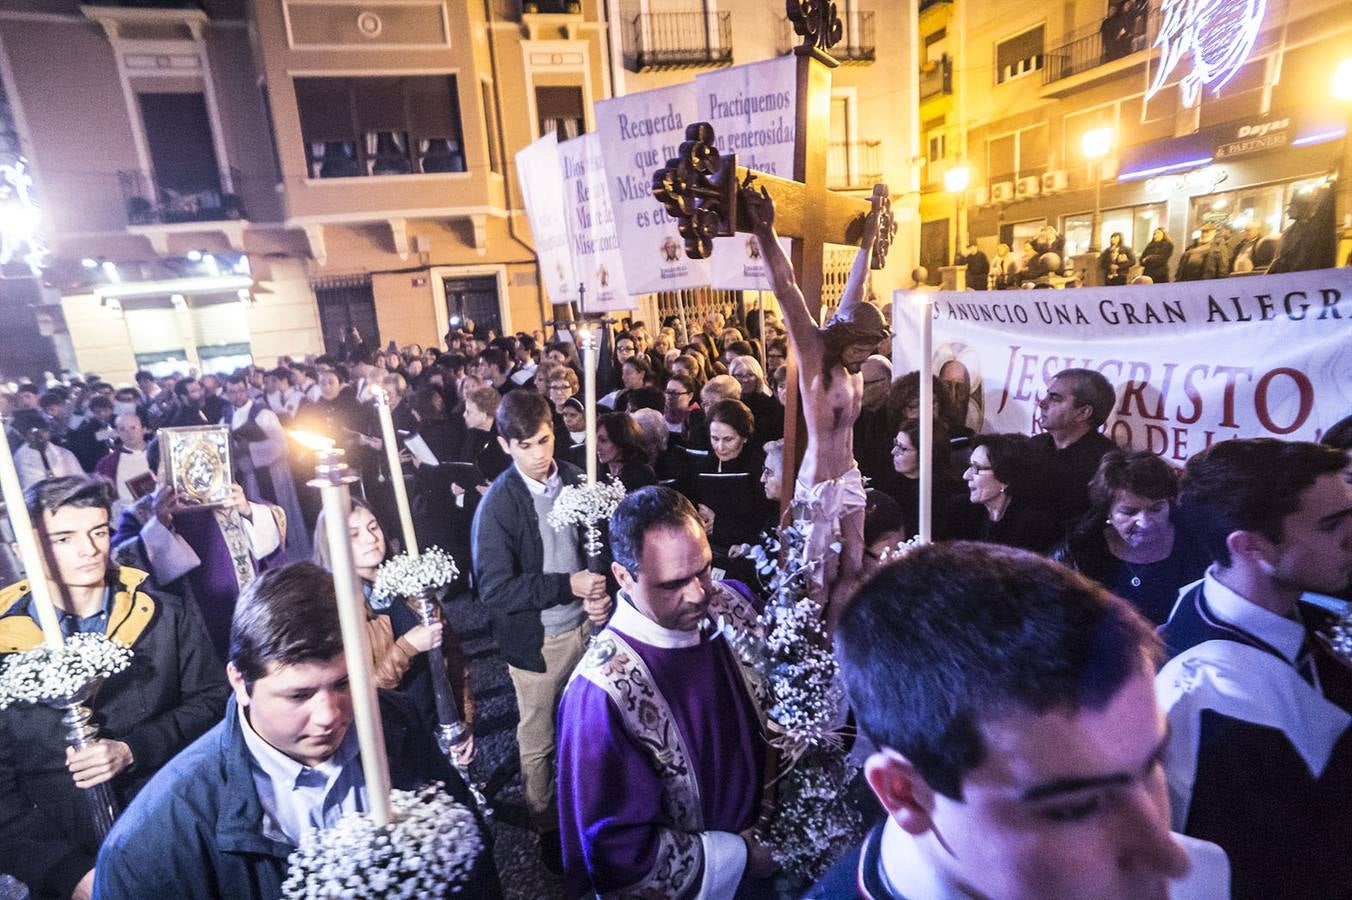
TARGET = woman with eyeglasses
x,y
1132,541
399,639
1002,505
769,412
905,487
680,407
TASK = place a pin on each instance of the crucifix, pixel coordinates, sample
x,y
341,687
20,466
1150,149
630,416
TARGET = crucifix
x,y
708,194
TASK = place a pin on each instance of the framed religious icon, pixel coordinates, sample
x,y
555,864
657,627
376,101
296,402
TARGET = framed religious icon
x,y
196,463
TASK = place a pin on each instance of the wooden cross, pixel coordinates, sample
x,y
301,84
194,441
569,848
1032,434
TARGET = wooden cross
x,y
702,188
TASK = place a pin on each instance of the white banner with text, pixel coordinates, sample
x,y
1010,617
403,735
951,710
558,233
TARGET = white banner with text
x,y
1193,363
538,170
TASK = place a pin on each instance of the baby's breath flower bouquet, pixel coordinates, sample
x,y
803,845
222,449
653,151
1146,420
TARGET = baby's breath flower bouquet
x,y
814,823
428,850
1340,638
408,576
47,676
587,506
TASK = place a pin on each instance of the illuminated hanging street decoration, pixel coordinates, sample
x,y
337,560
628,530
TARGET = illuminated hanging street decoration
x,y
1218,34
20,234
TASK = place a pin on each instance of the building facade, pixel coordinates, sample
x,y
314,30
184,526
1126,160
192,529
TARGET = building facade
x,y
1034,79
872,136
226,181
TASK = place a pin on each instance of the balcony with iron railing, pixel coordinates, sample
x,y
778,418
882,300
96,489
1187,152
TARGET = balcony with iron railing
x,y
1096,45
853,165
857,43
936,77
678,40
149,202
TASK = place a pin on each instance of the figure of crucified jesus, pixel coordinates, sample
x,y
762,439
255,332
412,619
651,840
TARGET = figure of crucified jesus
x,y
829,490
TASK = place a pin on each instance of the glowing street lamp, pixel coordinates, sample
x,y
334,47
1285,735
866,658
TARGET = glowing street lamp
x,y
956,180
1096,144
1342,81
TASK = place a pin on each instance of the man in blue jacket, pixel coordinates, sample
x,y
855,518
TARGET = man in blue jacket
x,y
534,579
221,819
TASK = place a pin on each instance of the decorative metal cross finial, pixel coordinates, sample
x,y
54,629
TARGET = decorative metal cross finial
x,y
816,22
699,190
887,230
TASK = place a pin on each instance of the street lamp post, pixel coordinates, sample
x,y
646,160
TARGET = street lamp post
x,y
1096,144
956,180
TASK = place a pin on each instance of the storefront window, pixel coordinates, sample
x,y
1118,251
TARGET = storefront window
x,y
1264,204
1136,223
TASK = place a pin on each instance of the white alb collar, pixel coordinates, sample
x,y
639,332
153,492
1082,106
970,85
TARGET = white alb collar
x,y
634,624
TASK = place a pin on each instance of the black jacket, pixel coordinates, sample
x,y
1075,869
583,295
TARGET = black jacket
x,y
508,559
172,692
1155,260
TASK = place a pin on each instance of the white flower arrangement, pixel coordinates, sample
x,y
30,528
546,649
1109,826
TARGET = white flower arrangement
x,y
407,576
428,850
814,823
1340,637
586,505
43,675
895,552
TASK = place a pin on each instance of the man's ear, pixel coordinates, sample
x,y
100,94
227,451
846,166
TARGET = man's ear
x,y
901,790
236,679
622,576
1251,547
506,447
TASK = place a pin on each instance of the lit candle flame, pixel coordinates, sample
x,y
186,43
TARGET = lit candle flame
x,y
311,441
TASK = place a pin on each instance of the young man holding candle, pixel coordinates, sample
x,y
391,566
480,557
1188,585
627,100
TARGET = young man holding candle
x,y
534,580
171,693
222,818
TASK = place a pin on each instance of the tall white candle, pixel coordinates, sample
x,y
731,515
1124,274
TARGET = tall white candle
x,y
589,337
332,479
382,398
30,554
926,447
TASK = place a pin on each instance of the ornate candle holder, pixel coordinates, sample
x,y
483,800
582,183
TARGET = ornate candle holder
x,y
66,679
77,717
420,578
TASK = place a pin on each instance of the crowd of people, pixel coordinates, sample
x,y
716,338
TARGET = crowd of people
x,y
1030,760
1216,251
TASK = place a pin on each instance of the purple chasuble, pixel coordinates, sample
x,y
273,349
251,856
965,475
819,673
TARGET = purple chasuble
x,y
617,825
215,586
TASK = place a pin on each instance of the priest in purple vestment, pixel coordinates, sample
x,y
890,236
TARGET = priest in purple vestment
x,y
206,555
661,741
